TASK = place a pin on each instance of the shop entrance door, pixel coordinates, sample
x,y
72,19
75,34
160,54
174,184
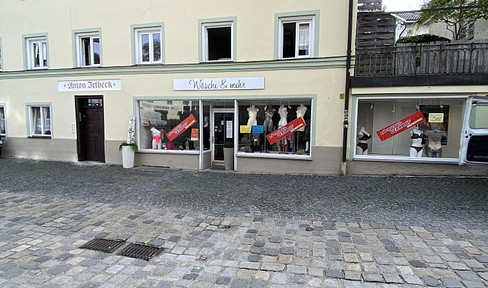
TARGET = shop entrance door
x,y
222,132
90,123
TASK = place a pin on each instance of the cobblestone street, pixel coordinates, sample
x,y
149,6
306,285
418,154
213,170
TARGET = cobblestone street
x,y
225,229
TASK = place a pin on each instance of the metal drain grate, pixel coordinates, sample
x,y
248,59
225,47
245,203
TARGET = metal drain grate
x,y
104,245
140,251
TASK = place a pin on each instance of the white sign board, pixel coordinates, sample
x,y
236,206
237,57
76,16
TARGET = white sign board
x,y
206,84
89,85
229,129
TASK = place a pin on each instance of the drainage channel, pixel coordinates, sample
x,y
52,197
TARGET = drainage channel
x,y
132,250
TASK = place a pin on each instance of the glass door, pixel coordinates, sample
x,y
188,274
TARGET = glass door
x,y
222,132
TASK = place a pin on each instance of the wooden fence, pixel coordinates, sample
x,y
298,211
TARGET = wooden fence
x,y
423,59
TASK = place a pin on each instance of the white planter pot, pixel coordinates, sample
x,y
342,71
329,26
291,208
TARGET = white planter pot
x,y
229,158
127,157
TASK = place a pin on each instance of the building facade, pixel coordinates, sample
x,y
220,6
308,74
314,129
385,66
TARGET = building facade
x,y
266,76
418,108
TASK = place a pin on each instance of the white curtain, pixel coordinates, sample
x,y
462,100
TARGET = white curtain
x,y
304,38
36,120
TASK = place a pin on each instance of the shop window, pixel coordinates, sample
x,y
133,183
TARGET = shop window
x,y
296,37
396,128
37,54
148,46
169,125
88,49
270,127
2,121
217,41
1,56
39,120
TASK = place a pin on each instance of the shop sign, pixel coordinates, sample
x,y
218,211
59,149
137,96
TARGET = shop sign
x,y
229,129
400,126
436,117
195,134
205,84
245,129
258,129
285,130
182,127
90,85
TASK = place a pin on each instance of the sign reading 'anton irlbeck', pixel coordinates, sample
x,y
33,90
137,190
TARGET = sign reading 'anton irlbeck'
x,y
89,85
206,84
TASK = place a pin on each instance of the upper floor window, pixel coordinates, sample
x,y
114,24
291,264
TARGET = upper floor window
x,y
88,49
296,37
148,45
36,52
39,120
217,41
2,121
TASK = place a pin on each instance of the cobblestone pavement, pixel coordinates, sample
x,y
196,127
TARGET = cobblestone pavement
x,y
222,229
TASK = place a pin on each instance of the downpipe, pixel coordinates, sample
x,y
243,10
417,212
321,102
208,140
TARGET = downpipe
x,y
347,86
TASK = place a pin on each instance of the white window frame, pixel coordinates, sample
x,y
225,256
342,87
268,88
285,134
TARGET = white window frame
x,y
138,45
1,55
205,27
310,20
80,57
31,51
3,121
43,124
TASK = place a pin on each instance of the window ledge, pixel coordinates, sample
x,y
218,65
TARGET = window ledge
x,y
39,137
406,159
274,156
163,151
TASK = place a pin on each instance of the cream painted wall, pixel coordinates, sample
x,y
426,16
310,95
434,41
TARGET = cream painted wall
x,y
323,84
254,39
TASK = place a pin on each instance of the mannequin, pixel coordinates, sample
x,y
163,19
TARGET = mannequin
x,y
416,149
156,142
283,144
283,111
435,134
268,120
363,137
301,110
253,113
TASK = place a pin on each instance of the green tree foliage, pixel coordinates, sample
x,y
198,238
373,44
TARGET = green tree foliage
x,y
456,19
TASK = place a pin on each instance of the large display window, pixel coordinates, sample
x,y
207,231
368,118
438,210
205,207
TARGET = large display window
x,y
274,126
413,128
170,125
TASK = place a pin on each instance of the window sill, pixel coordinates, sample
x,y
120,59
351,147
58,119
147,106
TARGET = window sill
x,y
39,137
163,151
274,156
405,159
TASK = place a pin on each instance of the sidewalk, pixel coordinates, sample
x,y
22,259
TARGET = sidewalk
x,y
218,229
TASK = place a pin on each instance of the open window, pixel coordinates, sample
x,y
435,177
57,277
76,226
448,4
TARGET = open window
x,y
296,37
217,41
474,139
36,52
88,49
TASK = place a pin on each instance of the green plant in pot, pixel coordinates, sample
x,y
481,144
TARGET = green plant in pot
x,y
229,155
229,145
133,146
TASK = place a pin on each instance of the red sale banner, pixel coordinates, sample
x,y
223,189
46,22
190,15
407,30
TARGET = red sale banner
x,y
285,130
400,126
182,127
